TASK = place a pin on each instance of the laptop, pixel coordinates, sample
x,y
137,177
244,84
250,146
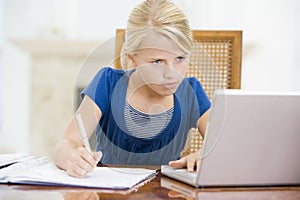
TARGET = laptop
x,y
252,139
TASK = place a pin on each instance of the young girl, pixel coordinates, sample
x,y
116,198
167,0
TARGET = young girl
x,y
142,116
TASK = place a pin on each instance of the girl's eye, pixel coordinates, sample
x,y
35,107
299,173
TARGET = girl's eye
x,y
180,59
158,61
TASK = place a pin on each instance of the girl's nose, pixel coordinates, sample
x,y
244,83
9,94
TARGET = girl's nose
x,y
169,72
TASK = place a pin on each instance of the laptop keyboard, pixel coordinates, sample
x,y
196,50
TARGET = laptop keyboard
x,y
186,173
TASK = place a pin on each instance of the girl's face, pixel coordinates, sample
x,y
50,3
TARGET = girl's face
x,y
160,65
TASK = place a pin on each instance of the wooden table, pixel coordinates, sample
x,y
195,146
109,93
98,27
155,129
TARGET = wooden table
x,y
159,188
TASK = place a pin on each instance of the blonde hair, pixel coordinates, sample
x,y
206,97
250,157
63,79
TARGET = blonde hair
x,y
156,16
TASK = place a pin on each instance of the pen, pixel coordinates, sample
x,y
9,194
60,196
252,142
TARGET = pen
x,y
84,136
83,132
7,165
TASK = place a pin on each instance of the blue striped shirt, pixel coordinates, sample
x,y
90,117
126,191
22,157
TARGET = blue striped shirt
x,y
143,125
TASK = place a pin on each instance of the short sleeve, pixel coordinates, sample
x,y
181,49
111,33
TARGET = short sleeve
x,y
99,89
201,98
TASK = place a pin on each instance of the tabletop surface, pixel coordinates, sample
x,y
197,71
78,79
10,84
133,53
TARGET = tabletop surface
x,y
160,187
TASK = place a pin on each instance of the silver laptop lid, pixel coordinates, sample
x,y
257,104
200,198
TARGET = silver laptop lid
x,y
253,138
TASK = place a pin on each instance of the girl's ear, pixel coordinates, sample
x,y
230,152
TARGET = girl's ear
x,y
131,60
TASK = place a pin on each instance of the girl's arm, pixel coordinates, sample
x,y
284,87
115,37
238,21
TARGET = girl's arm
x,y
70,154
190,161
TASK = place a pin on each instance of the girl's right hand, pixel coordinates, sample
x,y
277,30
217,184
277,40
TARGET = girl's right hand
x,y
190,161
82,162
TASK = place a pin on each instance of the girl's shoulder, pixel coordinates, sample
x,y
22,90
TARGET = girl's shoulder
x,y
109,71
191,84
109,74
192,81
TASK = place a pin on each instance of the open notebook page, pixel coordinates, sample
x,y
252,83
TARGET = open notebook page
x,y
13,157
101,177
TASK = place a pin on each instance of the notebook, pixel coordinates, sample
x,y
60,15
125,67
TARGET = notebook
x,y
38,171
252,139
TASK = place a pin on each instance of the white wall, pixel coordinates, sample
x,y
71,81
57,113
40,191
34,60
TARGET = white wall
x,y
100,20
14,85
270,42
1,61
296,68
270,64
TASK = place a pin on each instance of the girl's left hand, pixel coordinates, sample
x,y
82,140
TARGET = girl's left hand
x,y
190,161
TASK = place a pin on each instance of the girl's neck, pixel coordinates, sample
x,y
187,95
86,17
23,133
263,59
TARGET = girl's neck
x,y
144,99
